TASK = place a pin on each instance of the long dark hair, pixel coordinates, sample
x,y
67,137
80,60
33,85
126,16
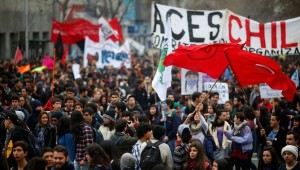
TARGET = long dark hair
x,y
76,122
111,125
216,122
63,126
273,164
111,150
149,115
200,159
98,155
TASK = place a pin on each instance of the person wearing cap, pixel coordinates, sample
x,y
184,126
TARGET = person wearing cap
x,y
296,124
14,134
108,127
132,105
290,155
182,149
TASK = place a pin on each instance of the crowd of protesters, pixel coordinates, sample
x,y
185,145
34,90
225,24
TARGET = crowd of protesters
x,y
111,118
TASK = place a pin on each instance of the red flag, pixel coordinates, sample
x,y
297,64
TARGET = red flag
x,y
205,58
65,55
24,69
74,31
115,24
250,68
48,105
18,56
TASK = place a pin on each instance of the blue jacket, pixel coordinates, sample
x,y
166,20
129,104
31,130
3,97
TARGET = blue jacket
x,y
67,141
244,138
173,121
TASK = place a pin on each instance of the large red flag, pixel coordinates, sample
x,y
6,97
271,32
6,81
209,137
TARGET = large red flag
x,y
74,31
208,59
250,68
18,56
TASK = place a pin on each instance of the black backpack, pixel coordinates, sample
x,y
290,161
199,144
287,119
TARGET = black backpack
x,y
150,156
97,135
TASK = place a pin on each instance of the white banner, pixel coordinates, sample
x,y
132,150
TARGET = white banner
x,y
188,26
221,88
266,92
108,53
202,26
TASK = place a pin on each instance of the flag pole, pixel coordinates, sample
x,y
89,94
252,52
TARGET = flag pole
x,y
54,58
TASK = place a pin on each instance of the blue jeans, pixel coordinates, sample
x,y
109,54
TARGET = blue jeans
x,y
171,144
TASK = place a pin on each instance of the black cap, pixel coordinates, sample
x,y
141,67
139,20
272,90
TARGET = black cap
x,y
297,118
11,116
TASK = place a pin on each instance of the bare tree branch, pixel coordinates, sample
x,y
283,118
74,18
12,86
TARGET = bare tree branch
x,y
126,8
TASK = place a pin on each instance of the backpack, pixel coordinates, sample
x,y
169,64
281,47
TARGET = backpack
x,y
150,156
209,146
32,152
97,136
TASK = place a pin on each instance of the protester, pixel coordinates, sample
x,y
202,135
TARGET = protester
x,y
269,159
108,127
221,164
171,121
152,114
83,136
241,146
14,134
181,150
127,162
20,151
165,151
197,124
216,130
113,152
45,133
64,136
47,154
61,159
277,135
144,133
37,163
290,156
196,157
97,157
123,141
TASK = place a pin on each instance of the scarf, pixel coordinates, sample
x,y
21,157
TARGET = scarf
x,y
238,128
195,128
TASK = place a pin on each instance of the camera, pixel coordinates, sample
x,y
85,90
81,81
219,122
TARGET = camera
x,y
129,122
